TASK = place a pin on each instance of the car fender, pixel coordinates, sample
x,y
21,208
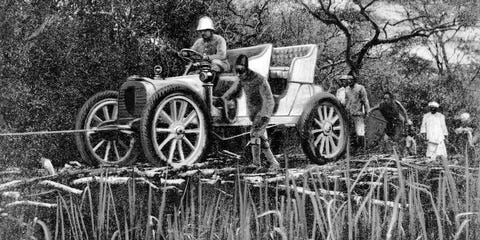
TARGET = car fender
x,y
324,96
183,88
144,88
190,81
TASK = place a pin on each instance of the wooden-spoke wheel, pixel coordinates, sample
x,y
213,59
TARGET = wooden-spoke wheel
x,y
174,127
112,147
324,130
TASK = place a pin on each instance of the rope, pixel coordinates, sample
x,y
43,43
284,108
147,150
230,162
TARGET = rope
x,y
377,118
222,138
56,132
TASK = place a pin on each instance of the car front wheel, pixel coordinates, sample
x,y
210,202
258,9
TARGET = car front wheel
x,y
175,127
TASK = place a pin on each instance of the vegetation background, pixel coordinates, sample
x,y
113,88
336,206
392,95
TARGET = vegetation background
x,y
55,54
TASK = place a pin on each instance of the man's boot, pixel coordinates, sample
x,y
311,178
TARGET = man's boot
x,y
274,165
255,144
361,144
353,145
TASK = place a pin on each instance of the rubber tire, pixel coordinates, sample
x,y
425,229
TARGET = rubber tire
x,y
149,113
80,138
304,131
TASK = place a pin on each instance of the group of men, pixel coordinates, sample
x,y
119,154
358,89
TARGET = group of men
x,y
433,128
352,94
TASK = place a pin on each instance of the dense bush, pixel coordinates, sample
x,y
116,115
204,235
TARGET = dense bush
x,y
54,57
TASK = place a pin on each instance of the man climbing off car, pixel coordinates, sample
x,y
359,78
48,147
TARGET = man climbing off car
x,y
213,47
260,106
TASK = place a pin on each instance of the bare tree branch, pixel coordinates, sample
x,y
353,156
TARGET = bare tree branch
x,y
315,14
331,64
435,55
422,24
373,41
408,19
475,75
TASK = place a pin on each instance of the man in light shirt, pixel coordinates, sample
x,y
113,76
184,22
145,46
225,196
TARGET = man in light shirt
x,y
357,105
212,46
340,94
434,130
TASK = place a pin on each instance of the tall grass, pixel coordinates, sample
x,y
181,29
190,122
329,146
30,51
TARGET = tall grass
x,y
379,203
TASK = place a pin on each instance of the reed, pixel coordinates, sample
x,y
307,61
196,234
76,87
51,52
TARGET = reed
x,y
398,203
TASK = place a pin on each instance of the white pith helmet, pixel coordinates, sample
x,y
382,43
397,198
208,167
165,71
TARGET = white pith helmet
x,y
345,77
464,117
433,104
205,23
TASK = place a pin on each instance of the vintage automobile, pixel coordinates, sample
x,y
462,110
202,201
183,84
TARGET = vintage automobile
x,y
172,120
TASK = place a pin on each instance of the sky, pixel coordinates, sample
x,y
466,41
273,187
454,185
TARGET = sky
x,y
393,12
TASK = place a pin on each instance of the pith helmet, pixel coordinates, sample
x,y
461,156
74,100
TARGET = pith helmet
x,y
464,117
433,104
205,23
346,77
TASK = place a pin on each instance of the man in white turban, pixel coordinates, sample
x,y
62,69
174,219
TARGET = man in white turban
x,y
434,130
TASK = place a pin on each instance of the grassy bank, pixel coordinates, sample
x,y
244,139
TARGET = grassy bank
x,y
373,198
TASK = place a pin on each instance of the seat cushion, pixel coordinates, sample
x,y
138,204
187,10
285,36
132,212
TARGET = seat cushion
x,y
284,56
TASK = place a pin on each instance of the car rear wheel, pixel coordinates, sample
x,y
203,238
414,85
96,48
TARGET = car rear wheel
x,y
323,130
175,127
113,147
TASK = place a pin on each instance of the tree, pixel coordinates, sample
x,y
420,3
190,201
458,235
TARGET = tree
x,y
364,29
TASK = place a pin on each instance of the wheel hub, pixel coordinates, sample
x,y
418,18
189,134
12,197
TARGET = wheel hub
x,y
327,128
179,131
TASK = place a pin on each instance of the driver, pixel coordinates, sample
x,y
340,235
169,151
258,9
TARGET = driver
x,y
260,105
212,46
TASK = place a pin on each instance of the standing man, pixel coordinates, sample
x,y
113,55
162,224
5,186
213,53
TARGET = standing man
x,y
470,137
340,94
212,46
410,142
395,115
466,128
434,130
357,105
260,106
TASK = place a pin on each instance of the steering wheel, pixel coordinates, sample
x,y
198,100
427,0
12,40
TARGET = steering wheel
x,y
190,55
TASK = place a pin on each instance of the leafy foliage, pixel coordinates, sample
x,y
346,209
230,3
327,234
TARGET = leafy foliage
x,y
55,55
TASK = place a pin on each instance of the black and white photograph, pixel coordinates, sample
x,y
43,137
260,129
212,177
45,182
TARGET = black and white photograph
x,y
239,119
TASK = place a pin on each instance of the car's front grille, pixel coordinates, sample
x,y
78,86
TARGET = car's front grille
x,y
132,99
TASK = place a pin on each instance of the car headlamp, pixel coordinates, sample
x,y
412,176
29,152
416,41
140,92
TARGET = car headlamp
x,y
157,71
206,76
